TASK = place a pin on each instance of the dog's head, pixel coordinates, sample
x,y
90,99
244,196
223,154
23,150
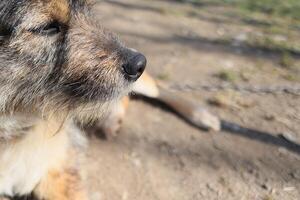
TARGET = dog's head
x,y
52,52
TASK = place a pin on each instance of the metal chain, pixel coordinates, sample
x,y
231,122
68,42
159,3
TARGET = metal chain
x,y
273,89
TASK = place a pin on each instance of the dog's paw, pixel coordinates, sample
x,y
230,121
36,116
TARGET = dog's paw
x,y
204,119
112,124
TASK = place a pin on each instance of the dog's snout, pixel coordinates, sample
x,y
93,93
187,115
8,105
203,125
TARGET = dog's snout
x,y
135,66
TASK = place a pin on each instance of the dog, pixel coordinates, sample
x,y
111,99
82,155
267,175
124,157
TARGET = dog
x,y
59,69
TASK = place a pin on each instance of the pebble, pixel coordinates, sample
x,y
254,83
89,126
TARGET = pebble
x,y
288,189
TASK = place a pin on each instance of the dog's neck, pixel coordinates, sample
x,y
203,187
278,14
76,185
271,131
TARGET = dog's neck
x,y
17,125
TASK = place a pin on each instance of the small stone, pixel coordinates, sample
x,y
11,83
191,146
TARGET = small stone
x,y
288,189
210,187
283,151
241,37
264,186
269,117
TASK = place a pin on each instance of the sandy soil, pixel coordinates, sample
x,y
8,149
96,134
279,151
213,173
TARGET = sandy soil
x,y
158,156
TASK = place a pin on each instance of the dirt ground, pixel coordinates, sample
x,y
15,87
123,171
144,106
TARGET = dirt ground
x,y
157,155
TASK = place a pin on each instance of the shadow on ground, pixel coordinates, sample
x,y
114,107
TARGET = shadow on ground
x,y
236,129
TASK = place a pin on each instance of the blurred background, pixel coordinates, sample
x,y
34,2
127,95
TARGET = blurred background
x,y
240,59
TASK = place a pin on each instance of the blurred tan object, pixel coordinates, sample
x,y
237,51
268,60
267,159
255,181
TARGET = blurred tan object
x,y
113,122
148,87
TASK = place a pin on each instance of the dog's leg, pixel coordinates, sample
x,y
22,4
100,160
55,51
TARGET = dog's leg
x,y
187,108
113,122
148,87
62,184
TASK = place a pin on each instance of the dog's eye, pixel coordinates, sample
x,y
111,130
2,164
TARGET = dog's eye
x,y
51,29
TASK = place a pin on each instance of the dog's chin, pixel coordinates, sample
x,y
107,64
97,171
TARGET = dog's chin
x,y
116,94
88,111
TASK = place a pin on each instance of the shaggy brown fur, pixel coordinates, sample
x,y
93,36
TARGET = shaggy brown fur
x,y
57,65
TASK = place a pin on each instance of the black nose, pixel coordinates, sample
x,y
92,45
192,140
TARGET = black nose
x,y
135,67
